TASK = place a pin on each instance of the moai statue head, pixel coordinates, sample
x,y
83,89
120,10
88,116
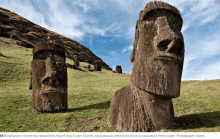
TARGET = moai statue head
x,y
89,67
158,50
118,69
15,34
48,78
76,61
97,65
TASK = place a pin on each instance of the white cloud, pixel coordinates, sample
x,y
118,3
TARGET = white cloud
x,y
75,23
124,50
90,43
210,72
195,64
201,11
18,7
63,21
130,47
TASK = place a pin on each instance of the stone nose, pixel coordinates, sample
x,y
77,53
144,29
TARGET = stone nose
x,y
168,39
51,76
174,46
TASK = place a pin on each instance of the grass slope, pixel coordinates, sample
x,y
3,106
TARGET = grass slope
x,y
89,97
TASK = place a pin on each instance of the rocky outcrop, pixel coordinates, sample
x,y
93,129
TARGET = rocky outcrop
x,y
28,34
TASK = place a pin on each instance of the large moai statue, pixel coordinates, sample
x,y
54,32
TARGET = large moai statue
x,y
48,80
97,65
157,57
118,69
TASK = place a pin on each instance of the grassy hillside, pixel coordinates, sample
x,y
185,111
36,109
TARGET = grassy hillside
x,y
89,96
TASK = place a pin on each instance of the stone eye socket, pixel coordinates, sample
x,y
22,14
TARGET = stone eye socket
x,y
175,22
151,16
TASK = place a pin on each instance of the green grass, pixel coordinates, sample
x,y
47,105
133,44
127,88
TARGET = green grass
x,y
89,97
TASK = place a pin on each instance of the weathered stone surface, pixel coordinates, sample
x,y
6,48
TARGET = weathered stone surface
x,y
157,57
118,69
48,78
15,34
135,110
97,65
31,33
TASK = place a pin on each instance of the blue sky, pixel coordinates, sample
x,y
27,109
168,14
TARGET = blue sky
x,y
107,28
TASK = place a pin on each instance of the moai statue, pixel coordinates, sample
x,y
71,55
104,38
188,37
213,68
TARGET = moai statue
x,y
15,34
48,80
76,62
118,69
89,67
97,65
157,57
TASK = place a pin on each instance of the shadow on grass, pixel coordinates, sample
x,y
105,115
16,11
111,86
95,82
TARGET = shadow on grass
x,y
3,55
103,105
209,119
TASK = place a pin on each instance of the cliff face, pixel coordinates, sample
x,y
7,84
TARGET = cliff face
x,y
28,34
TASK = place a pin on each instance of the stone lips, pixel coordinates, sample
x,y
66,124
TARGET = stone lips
x,y
28,34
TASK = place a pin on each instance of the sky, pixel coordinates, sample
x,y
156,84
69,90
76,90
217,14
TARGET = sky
x,y
107,28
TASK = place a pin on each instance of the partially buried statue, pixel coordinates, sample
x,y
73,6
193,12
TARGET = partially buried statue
x,y
48,78
118,69
76,62
157,57
97,65
89,67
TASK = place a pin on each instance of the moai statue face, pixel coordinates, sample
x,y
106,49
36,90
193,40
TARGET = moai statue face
x,y
158,51
48,78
